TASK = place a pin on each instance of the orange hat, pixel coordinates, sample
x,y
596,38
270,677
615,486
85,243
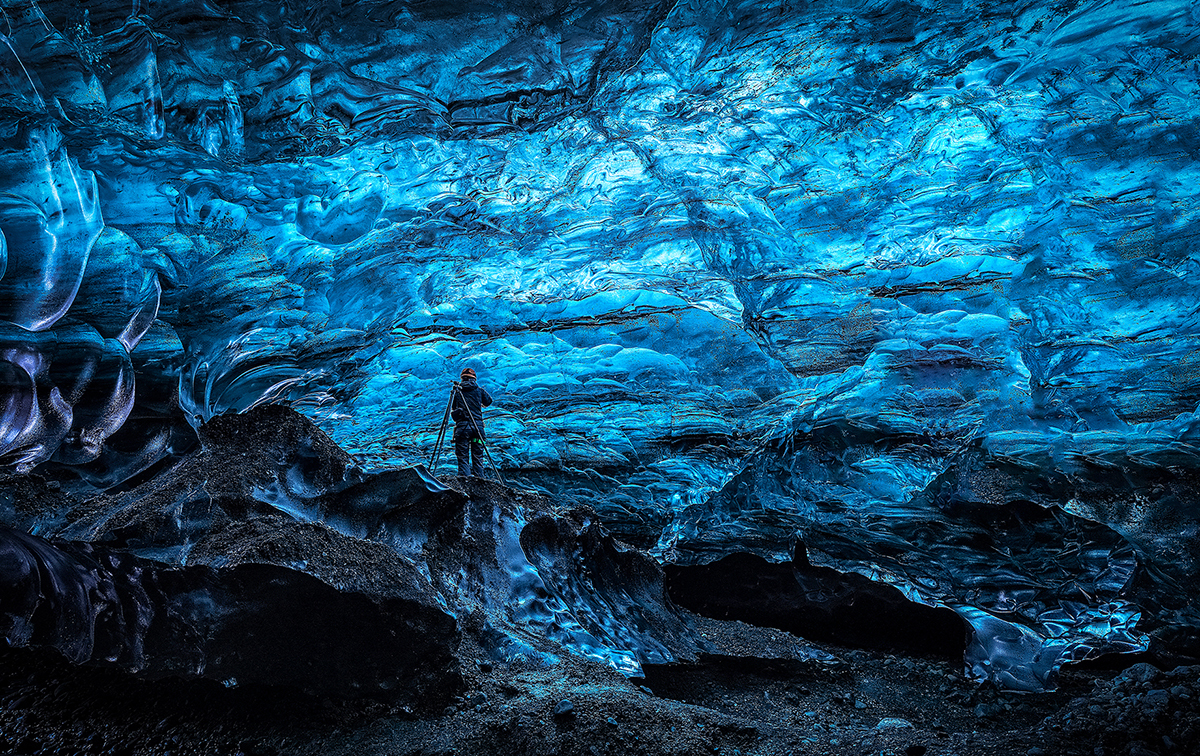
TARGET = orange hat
x,y
467,373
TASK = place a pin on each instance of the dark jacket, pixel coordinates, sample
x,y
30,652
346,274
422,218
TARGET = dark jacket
x,y
469,401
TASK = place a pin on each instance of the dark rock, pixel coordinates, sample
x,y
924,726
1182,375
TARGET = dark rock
x,y
268,500
818,603
564,709
257,573
1155,703
1140,673
360,574
270,461
476,699
251,623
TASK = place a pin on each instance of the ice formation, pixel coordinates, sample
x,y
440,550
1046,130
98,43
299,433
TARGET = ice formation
x,y
908,286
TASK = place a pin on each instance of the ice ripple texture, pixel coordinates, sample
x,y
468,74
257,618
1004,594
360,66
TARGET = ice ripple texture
x,y
913,283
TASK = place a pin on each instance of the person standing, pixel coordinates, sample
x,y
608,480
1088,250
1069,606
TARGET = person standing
x,y
467,410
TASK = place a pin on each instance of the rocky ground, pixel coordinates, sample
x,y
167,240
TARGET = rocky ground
x,y
322,612
774,698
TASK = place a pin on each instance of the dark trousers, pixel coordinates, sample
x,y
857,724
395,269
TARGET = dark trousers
x,y
468,449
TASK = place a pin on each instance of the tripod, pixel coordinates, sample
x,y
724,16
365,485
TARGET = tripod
x,y
456,392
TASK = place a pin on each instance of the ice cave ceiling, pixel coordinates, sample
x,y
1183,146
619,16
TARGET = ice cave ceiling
x,y
913,281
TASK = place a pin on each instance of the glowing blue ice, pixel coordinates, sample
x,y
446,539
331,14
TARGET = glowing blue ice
x,y
732,273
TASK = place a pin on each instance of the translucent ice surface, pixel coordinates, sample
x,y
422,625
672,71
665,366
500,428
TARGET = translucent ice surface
x,y
874,275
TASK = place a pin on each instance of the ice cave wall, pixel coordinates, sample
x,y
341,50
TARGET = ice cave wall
x,y
734,271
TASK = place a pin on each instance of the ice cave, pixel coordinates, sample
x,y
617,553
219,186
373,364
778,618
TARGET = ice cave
x,y
864,323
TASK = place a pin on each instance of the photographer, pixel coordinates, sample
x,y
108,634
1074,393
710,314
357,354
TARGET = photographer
x,y
467,410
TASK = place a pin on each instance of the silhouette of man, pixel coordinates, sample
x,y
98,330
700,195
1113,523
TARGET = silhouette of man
x,y
467,410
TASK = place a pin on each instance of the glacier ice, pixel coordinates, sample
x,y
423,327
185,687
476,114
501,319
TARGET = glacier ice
x,y
909,283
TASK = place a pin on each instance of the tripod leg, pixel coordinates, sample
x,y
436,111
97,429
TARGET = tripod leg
x,y
499,475
437,447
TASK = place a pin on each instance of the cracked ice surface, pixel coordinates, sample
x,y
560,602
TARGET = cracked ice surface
x,y
878,275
